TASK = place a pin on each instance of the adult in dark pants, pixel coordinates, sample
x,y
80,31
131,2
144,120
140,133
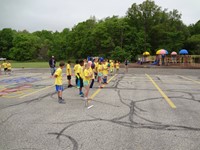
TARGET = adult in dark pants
x,y
52,65
126,62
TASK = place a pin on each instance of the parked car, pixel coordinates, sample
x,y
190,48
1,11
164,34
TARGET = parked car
x,y
2,58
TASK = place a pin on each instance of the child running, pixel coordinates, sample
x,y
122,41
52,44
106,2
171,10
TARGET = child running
x,y
58,82
69,74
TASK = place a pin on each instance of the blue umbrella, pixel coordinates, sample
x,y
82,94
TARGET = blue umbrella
x,y
166,52
183,51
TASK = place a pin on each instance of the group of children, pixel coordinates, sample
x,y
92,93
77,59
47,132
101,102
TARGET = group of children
x,y
86,72
6,65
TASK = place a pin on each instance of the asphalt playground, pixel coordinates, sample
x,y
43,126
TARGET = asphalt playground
x,y
143,109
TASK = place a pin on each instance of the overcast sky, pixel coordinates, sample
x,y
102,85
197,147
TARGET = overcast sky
x,y
34,15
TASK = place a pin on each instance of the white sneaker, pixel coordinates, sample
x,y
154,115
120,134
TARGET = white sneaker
x,y
90,106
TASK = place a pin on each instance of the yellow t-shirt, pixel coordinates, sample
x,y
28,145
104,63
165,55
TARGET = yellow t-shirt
x,y
68,70
91,72
105,69
80,71
76,68
111,65
96,66
58,80
9,66
4,65
117,65
100,69
86,75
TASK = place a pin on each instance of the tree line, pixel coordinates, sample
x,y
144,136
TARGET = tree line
x,y
145,27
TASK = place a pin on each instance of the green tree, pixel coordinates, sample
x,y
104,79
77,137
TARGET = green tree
x,y
81,42
193,41
45,44
6,38
157,28
120,54
193,44
25,47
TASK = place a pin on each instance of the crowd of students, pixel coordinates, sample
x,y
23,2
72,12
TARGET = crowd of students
x,y
85,72
6,65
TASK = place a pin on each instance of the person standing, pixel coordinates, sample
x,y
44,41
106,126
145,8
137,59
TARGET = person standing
x,y
100,74
96,68
117,66
92,70
76,66
4,64
58,82
69,74
126,65
80,76
9,67
105,71
111,67
87,75
52,65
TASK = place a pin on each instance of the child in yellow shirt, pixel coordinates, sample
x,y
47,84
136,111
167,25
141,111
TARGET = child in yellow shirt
x,y
76,66
117,66
69,73
105,71
111,68
79,75
4,64
96,68
58,82
86,81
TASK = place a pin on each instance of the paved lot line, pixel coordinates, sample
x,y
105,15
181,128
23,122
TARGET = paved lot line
x,y
97,91
36,91
190,79
161,92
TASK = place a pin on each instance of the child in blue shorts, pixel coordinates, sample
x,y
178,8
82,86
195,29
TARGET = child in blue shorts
x,y
58,82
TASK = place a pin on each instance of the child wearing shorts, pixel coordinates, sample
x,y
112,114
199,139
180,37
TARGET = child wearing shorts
x,y
86,81
105,71
58,82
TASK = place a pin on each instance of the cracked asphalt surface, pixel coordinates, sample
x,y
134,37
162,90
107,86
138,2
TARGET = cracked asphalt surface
x,y
128,114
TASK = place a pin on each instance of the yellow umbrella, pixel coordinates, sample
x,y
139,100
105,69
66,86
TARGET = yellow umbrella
x,y
146,53
161,52
158,52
